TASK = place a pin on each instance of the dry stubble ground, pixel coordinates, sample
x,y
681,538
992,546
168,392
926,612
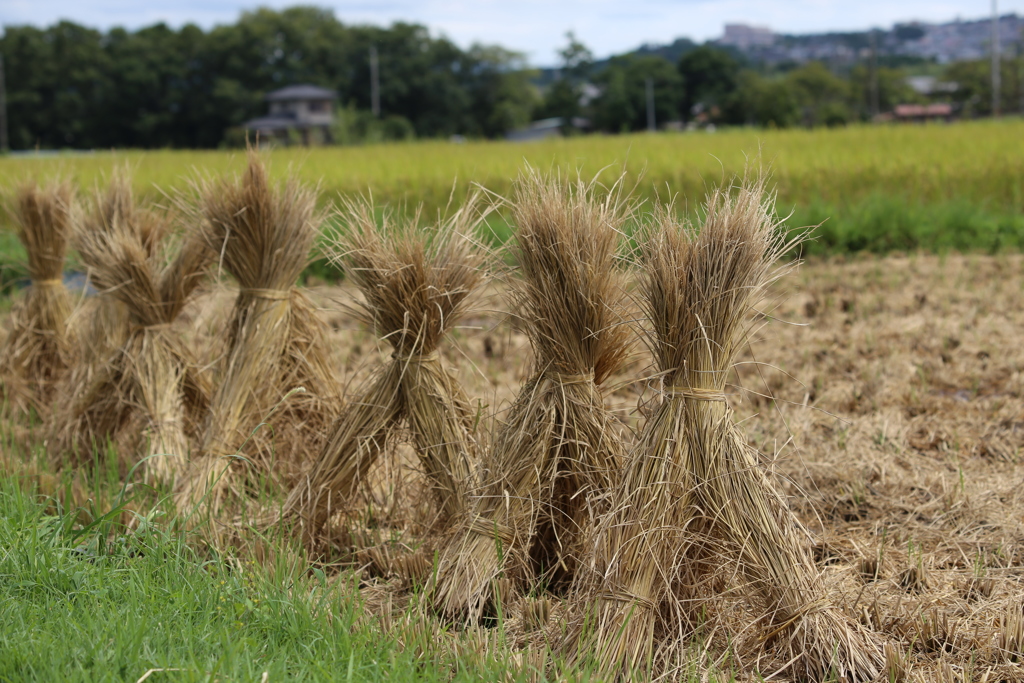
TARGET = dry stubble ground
x,y
896,427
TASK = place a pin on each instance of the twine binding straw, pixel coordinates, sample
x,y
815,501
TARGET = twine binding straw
x,y
267,294
695,393
491,529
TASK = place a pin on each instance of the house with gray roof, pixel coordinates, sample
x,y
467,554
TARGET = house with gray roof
x,y
308,110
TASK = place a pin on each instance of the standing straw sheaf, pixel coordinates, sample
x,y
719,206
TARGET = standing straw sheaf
x,y
416,284
552,459
40,349
693,488
149,388
277,358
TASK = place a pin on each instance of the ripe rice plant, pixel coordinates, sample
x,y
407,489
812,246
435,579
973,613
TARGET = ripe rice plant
x,y
693,495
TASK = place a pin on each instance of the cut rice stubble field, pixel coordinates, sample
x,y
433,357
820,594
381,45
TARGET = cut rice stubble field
x,y
888,396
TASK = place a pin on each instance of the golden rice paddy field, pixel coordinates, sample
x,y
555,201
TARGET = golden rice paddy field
x,y
982,162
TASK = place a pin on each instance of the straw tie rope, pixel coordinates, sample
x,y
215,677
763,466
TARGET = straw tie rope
x,y
491,529
157,424
695,393
584,378
415,357
154,327
268,294
49,283
628,598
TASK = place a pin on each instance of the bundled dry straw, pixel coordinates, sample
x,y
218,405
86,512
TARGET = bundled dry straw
x,y
277,358
416,284
553,457
38,350
148,394
694,494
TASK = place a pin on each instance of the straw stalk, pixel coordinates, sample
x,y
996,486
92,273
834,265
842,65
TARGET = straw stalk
x,y
416,284
277,360
40,348
694,494
148,393
552,459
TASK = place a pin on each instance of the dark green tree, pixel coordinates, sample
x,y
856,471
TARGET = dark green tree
x,y
563,96
709,78
622,105
974,85
824,98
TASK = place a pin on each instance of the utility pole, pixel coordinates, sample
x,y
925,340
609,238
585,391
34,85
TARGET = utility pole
x,y
649,87
873,84
1020,74
995,60
374,81
4,147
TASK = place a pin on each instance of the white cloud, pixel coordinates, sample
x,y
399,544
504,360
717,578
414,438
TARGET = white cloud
x,y
536,27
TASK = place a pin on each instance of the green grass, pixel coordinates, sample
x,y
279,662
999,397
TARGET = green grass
x,y
102,604
883,223
84,598
87,597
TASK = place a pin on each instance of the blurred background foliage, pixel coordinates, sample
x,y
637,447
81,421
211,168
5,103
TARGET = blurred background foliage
x,y
70,86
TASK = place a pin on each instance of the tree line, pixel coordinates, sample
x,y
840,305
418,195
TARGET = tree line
x,y
73,86
711,85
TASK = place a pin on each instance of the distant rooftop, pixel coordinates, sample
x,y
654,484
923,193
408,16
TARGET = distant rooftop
x,y
301,92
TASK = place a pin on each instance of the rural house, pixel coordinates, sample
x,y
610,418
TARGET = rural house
x,y
297,112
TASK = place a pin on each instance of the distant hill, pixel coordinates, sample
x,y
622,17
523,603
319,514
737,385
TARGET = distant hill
x,y
916,41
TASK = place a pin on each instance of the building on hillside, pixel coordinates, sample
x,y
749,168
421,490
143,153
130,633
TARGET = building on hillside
x,y
298,113
937,111
930,86
546,128
918,113
745,37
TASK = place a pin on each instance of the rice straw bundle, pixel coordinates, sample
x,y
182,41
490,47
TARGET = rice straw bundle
x,y
39,350
276,343
692,482
149,389
552,459
416,285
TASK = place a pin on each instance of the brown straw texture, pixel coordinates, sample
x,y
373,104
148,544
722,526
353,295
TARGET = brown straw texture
x,y
149,387
416,284
694,494
553,456
40,349
276,364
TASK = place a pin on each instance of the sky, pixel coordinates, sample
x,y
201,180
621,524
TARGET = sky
x,y
534,27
